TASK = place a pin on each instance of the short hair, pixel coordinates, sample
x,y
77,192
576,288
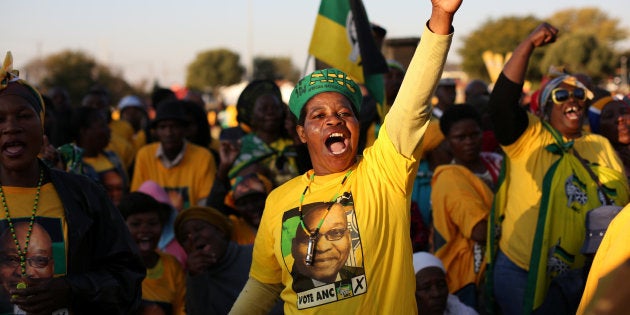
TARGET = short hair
x,y
458,113
137,202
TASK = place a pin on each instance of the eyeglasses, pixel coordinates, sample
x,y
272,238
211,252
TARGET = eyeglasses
x,y
332,235
561,95
35,261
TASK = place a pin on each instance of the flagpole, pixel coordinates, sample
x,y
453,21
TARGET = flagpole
x,y
304,72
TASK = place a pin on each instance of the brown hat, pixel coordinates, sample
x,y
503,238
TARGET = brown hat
x,y
207,214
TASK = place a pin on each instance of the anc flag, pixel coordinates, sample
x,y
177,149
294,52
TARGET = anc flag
x,y
343,39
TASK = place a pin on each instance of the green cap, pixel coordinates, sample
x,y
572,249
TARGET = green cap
x,y
325,80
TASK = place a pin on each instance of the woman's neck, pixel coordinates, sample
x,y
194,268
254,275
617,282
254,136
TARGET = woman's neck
x,y
150,259
20,178
475,166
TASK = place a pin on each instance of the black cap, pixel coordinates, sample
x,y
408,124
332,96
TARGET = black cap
x,y
170,110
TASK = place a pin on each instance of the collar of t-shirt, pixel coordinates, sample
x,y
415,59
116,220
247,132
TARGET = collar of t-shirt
x,y
165,161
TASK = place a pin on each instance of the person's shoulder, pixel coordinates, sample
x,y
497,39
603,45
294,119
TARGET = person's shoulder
x,y
595,138
452,169
169,261
191,147
71,178
149,148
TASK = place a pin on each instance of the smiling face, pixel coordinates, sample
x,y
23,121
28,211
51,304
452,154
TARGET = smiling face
x,y
615,122
332,247
145,228
39,264
331,132
21,134
567,117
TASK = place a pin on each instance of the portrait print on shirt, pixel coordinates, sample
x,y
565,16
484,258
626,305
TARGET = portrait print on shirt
x,y
45,255
330,268
179,197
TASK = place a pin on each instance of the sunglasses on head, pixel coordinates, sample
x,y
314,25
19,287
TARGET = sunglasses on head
x,y
561,95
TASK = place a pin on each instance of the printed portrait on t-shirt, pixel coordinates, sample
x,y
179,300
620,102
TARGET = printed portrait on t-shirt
x,y
45,254
322,250
179,197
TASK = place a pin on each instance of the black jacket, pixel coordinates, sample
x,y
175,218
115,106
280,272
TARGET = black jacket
x,y
105,270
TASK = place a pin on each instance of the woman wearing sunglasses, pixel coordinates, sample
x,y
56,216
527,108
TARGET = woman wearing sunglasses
x,y
536,226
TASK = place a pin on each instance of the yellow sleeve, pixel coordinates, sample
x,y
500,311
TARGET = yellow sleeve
x,y
409,116
613,251
256,298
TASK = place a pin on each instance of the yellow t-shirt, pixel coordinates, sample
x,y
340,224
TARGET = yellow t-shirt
x,y
372,285
612,252
139,140
48,239
187,183
123,148
460,201
100,163
165,284
122,128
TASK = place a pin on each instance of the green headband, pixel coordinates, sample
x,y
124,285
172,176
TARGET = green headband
x,y
325,80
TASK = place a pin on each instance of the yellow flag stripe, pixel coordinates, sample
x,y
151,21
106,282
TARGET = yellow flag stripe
x,y
331,45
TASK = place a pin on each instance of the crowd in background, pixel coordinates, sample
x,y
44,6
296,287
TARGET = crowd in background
x,y
500,176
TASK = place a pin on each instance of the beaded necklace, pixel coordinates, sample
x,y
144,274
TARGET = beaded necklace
x,y
314,236
22,252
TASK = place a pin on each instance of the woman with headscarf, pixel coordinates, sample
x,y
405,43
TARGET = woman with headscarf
x,y
373,191
432,289
552,170
97,267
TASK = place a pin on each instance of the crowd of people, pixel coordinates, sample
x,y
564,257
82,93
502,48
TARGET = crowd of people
x,y
502,204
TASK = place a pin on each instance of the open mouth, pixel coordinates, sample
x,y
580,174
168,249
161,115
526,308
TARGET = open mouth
x,y
337,143
145,243
573,112
13,148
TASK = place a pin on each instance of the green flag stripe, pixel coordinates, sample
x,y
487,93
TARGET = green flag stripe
x,y
336,10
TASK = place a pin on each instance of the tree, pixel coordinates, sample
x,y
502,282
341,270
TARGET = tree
x,y
213,68
589,20
586,41
588,55
275,68
77,72
500,37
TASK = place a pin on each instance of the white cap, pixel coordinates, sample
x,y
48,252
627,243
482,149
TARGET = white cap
x,y
423,260
131,101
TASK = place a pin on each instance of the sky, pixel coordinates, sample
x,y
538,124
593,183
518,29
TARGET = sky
x,y
157,39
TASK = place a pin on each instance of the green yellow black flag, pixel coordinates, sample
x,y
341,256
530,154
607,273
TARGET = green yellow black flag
x,y
343,39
